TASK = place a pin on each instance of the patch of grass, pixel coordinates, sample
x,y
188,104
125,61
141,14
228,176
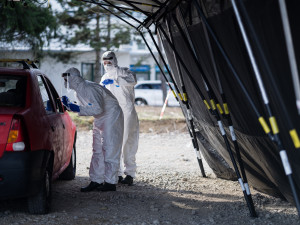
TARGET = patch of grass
x,y
145,113
82,122
150,113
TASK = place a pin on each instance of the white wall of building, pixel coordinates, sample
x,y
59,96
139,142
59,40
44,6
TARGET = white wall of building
x,y
52,67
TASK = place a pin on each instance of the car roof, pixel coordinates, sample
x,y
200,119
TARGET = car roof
x,y
18,71
13,71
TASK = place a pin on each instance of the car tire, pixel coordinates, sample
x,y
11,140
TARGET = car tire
x,y
70,172
140,101
40,203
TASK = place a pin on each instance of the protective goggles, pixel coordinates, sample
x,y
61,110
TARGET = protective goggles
x,y
107,58
65,74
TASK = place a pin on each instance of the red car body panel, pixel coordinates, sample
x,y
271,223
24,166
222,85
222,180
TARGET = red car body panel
x,y
5,126
54,132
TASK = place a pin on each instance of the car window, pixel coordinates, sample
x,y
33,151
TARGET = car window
x,y
156,86
56,98
12,90
144,86
148,86
48,105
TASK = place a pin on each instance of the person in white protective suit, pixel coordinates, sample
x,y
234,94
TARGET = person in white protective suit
x,y
120,81
95,100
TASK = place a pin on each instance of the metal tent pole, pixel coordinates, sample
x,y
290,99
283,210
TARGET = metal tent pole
x,y
275,129
141,36
189,43
165,64
185,68
189,113
100,5
227,116
292,131
162,71
127,14
291,52
156,61
261,119
135,7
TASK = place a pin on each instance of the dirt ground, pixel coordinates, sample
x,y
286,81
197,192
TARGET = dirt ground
x,y
168,188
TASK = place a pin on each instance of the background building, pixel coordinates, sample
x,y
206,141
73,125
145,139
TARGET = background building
x,y
134,56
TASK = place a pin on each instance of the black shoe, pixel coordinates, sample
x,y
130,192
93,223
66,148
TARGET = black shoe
x,y
92,186
120,179
128,180
107,187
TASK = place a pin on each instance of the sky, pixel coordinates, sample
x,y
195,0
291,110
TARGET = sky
x,y
55,45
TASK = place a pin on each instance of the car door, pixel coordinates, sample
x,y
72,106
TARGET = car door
x,y
157,93
144,91
55,123
66,125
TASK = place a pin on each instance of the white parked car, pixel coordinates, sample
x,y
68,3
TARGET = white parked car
x,y
150,93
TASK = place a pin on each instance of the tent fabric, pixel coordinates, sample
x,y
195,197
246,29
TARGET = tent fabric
x,y
260,155
262,162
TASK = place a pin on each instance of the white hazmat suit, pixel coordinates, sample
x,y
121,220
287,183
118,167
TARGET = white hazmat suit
x,y
122,88
95,100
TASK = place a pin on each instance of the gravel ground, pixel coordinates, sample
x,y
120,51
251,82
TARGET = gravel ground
x,y
168,189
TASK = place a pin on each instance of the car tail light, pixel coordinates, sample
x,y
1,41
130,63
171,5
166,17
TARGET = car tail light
x,y
15,140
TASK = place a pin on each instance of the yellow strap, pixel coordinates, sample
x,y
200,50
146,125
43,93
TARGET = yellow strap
x,y
207,105
213,105
274,125
220,108
185,97
264,124
179,94
174,94
226,108
295,138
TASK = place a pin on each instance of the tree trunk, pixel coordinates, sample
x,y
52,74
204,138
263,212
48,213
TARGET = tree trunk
x,y
163,80
97,74
97,77
108,31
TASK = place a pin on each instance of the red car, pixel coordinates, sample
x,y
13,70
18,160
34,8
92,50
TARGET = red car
x,y
37,137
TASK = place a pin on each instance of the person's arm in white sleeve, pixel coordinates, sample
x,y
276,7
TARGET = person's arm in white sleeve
x,y
92,108
125,77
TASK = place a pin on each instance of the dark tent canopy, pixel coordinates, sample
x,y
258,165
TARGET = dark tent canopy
x,y
212,67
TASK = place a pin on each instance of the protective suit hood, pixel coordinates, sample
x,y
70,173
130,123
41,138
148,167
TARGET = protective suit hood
x,y
74,79
111,57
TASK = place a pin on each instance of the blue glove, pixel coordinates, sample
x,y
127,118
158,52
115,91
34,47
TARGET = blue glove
x,y
65,100
107,81
73,107
49,106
